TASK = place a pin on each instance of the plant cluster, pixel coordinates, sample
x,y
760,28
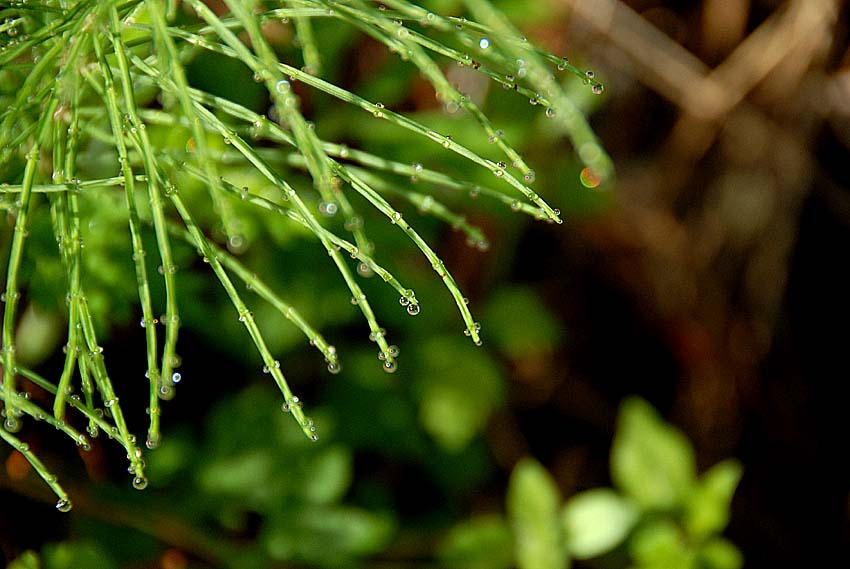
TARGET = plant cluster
x,y
660,515
100,124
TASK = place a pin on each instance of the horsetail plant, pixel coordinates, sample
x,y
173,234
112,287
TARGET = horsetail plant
x,y
75,75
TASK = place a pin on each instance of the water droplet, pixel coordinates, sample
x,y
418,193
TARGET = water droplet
x,y
110,402
529,176
516,206
364,270
413,309
166,392
550,113
12,425
328,209
176,377
152,442
378,111
393,351
64,505
484,43
598,88
447,141
140,482
589,179
353,223
390,366
404,301
589,74
334,367
314,438
282,86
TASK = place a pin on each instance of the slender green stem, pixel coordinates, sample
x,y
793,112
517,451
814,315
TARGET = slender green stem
x,y
148,319
64,503
245,316
144,147
309,48
288,193
170,64
12,294
568,115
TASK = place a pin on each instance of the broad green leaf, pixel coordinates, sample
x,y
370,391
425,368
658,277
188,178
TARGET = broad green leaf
x,y
596,521
708,505
720,553
661,545
652,462
533,508
535,330
74,555
484,542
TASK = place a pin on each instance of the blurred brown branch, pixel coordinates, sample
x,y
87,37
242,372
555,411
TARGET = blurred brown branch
x,y
707,216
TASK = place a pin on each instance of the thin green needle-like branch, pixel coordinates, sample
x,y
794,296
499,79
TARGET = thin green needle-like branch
x,y
148,319
145,148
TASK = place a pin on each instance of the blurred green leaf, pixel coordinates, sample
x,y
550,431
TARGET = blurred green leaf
x,y
652,462
329,536
26,560
720,553
328,475
661,545
533,508
75,555
459,387
246,475
596,521
707,509
519,324
176,453
484,542
38,334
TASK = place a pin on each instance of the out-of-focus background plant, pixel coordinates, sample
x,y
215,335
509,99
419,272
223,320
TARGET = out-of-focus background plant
x,y
705,279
